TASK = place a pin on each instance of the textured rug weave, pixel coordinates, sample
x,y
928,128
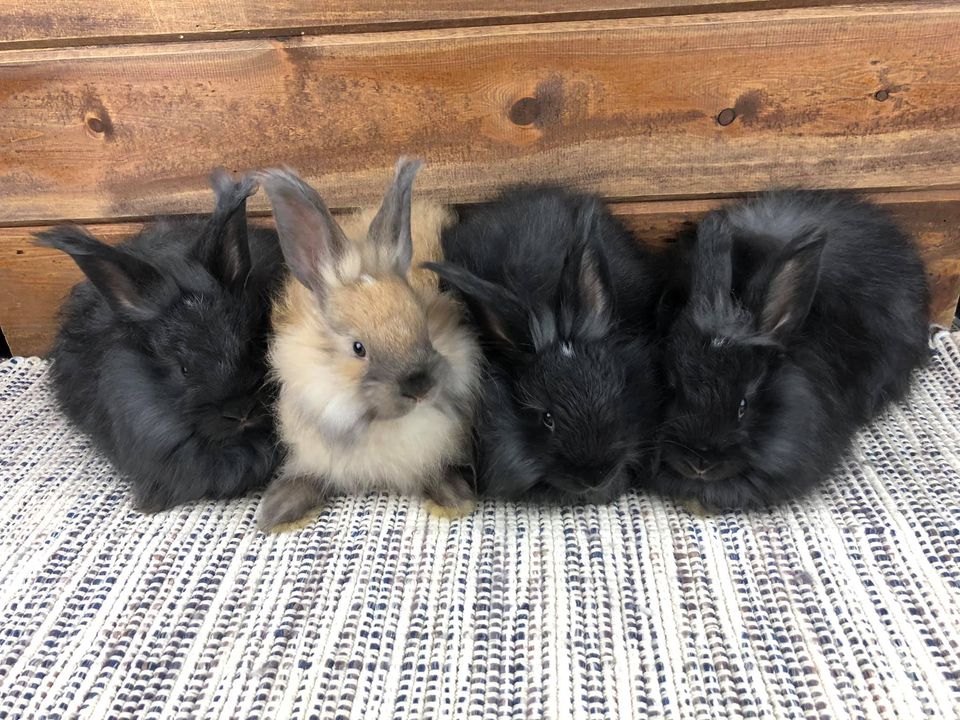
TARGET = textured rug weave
x,y
842,605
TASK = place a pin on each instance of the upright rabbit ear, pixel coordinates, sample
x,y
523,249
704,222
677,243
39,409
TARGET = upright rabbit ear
x,y
792,286
585,300
224,248
390,231
311,240
495,309
134,288
712,275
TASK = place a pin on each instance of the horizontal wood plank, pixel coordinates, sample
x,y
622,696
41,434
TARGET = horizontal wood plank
x,y
34,280
49,23
627,108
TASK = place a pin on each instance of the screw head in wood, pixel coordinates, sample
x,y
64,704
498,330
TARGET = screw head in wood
x,y
726,116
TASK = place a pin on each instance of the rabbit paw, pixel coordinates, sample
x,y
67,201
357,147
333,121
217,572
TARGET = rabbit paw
x,y
695,508
295,525
289,503
450,512
452,497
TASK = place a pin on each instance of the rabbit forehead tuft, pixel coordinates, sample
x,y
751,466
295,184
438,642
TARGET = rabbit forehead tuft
x,y
211,325
383,312
718,317
584,386
714,371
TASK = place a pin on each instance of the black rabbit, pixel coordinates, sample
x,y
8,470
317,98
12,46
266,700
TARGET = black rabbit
x,y
161,355
560,294
805,314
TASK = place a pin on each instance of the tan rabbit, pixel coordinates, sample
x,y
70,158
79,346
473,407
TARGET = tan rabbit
x,y
377,373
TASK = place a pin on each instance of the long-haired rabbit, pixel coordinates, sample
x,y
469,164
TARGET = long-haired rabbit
x,y
161,354
561,295
377,372
806,313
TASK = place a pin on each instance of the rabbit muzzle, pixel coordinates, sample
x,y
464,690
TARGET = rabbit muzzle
x,y
702,464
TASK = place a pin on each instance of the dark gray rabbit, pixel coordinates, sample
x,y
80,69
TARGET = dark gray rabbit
x,y
160,357
805,314
560,294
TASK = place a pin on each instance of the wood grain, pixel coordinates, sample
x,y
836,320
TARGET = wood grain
x,y
48,23
34,280
627,108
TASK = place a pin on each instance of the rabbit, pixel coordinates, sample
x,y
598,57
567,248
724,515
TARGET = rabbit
x,y
805,314
377,372
161,357
563,300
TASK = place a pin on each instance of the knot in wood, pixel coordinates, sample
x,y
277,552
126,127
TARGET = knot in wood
x,y
525,111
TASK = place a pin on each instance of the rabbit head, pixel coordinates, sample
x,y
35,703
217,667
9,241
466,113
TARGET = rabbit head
x,y
357,313
563,412
723,349
189,324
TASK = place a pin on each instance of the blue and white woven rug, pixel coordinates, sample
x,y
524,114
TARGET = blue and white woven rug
x,y
843,605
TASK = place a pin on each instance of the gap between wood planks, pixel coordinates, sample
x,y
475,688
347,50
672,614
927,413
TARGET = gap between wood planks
x,y
619,205
32,27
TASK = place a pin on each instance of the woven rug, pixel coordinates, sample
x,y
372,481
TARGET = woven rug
x,y
842,605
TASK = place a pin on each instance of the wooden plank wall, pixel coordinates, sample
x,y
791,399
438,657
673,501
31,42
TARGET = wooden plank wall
x,y
666,107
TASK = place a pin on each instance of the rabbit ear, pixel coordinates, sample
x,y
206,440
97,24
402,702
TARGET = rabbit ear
x,y
390,230
311,240
585,301
792,286
497,310
224,248
712,277
133,287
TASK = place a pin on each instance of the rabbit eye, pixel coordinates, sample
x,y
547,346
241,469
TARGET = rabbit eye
x,y
183,370
358,349
548,421
742,409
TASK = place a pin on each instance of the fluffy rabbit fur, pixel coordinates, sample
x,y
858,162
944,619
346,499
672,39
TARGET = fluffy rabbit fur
x,y
161,355
805,315
561,295
377,373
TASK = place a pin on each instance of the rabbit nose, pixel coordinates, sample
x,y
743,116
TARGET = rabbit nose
x,y
416,385
238,409
692,467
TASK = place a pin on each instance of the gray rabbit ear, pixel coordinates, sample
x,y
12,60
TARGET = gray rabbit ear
x,y
712,278
496,310
311,240
585,306
792,286
390,231
134,288
224,248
